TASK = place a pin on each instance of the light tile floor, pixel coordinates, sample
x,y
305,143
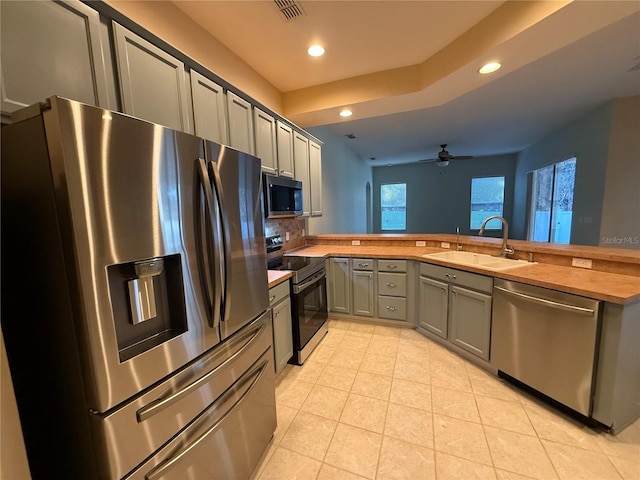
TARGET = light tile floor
x,y
381,402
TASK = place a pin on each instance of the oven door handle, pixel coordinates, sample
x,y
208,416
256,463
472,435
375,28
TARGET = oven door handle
x,y
303,286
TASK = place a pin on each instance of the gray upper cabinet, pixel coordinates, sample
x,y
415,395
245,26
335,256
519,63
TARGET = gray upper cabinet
x,y
315,177
152,82
265,129
51,49
301,162
209,109
284,138
240,123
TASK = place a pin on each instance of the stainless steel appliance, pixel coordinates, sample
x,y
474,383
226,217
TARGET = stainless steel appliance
x,y
283,196
308,297
134,298
546,340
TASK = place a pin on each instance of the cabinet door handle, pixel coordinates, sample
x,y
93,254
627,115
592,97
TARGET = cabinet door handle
x,y
393,309
391,285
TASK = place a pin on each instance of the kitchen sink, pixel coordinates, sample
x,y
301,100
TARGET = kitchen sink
x,y
481,260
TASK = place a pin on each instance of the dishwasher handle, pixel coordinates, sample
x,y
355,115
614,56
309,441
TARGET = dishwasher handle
x,y
548,303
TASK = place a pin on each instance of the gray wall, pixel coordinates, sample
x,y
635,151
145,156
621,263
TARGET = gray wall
x,y
439,198
620,225
587,139
344,183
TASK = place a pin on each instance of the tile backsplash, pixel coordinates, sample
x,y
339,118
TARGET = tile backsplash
x,y
297,228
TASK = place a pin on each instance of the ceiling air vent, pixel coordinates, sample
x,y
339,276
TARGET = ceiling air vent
x,y
289,9
350,136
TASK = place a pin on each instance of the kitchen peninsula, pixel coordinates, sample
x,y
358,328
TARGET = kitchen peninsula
x,y
613,280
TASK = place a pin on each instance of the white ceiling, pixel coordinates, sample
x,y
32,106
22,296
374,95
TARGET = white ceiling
x,y
408,69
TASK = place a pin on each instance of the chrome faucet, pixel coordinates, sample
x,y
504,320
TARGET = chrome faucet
x,y
506,250
458,244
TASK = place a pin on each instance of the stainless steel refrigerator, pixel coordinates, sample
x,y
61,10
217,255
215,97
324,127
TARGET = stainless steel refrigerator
x,y
134,297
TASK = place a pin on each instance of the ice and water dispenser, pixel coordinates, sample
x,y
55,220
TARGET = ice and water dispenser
x,y
148,303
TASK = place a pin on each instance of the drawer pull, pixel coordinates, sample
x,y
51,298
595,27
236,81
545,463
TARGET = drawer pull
x,y
449,276
391,285
393,309
363,265
391,265
271,299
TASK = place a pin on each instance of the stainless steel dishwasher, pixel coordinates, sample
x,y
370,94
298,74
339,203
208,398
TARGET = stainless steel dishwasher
x,y
546,340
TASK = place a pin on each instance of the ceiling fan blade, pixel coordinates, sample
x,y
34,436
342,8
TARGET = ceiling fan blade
x,y
462,157
429,160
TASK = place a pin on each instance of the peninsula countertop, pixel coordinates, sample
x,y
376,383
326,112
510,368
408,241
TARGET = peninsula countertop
x,y
610,287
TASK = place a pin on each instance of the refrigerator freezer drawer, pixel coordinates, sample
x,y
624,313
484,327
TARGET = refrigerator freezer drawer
x,y
133,432
227,440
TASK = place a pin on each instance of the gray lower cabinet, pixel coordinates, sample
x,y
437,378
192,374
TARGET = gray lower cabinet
x,y
209,109
434,306
280,303
52,48
392,289
470,321
339,285
363,293
456,305
153,83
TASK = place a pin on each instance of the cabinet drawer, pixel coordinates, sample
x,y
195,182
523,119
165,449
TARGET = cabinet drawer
x,y
362,264
392,284
457,277
392,265
394,308
278,292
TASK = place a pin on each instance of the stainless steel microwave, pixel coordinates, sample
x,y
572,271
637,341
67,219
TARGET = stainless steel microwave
x,y
282,197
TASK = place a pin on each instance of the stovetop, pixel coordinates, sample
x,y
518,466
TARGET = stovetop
x,y
302,267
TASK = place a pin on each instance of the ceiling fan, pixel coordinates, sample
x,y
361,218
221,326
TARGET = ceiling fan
x,y
444,157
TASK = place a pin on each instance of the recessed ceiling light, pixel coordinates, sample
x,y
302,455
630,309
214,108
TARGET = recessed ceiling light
x,y
490,67
346,113
316,50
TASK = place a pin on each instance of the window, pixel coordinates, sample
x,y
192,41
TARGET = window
x,y
551,202
487,199
393,206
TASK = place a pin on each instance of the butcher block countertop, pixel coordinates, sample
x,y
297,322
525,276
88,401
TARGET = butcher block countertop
x,y
601,285
276,277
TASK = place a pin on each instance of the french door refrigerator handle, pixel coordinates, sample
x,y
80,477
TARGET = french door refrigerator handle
x,y
548,303
225,245
169,463
161,403
208,251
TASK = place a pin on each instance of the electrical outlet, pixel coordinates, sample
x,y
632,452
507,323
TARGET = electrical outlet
x,y
286,236
355,242
581,262
445,244
421,243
